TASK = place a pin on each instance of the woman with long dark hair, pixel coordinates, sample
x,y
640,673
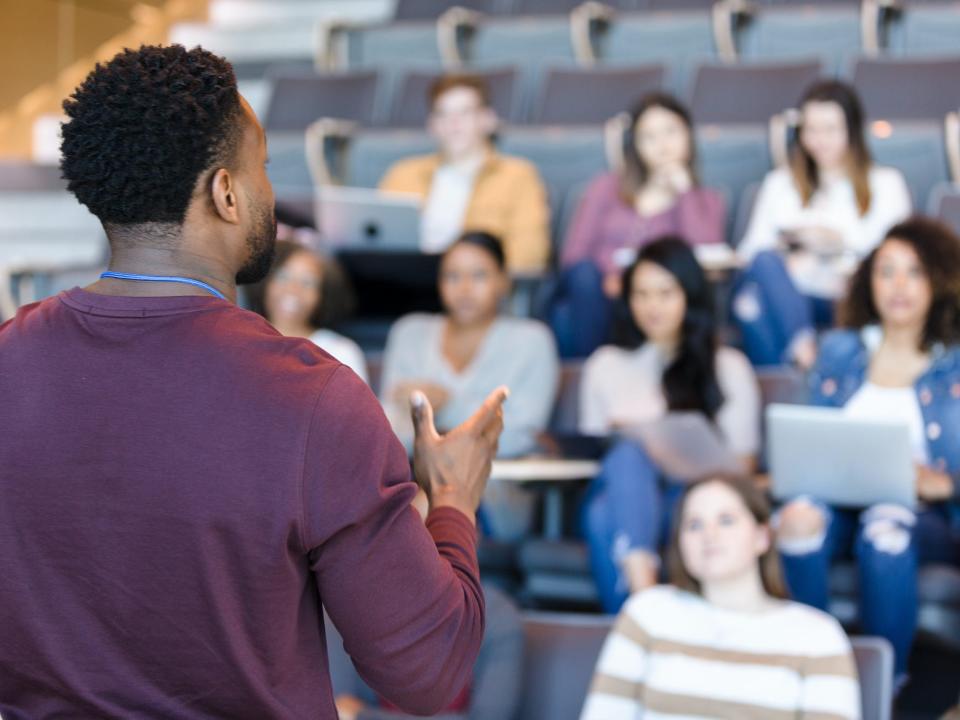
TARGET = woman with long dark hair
x,y
897,359
655,193
667,362
811,224
722,640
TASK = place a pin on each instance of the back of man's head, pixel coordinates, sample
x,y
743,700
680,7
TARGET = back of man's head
x,y
145,128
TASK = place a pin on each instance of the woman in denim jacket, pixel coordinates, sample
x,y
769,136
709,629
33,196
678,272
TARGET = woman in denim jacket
x,y
899,358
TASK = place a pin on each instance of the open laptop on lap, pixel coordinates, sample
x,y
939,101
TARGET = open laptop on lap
x,y
842,461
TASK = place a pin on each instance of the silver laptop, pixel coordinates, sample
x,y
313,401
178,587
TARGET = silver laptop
x,y
362,218
843,461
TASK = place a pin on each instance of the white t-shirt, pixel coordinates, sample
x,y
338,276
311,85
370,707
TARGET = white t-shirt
x,y
446,205
779,207
343,349
897,404
625,387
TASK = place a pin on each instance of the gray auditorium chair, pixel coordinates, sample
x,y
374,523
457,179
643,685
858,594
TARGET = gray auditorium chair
x,y
284,41
561,653
581,96
679,40
557,7
410,107
731,157
944,203
914,148
792,31
288,170
381,46
28,176
744,211
563,648
732,94
564,156
923,28
371,153
432,9
505,636
300,98
908,89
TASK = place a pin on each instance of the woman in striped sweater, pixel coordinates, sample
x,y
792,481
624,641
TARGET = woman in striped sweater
x,y
722,641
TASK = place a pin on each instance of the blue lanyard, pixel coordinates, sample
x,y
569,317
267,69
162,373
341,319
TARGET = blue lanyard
x,y
165,278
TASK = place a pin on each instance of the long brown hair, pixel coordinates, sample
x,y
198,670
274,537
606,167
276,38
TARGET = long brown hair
x,y
938,248
859,160
635,172
771,572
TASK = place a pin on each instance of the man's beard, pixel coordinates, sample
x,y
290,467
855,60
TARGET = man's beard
x,y
262,242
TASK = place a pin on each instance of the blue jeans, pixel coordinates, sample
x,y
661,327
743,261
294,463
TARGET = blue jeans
x,y
629,507
579,312
888,550
771,312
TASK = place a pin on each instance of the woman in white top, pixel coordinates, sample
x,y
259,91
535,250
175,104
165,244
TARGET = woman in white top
x,y
721,641
812,222
668,362
897,359
302,295
465,354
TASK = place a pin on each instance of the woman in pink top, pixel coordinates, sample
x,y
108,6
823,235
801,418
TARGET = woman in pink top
x,y
656,193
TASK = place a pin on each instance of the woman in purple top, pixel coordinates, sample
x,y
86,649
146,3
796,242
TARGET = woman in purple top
x,y
656,193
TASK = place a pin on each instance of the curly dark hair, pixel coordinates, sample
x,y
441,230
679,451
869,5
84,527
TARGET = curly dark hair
x,y
938,248
337,300
144,127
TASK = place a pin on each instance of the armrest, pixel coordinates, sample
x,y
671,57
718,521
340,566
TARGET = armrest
x,y
451,26
323,135
727,16
585,19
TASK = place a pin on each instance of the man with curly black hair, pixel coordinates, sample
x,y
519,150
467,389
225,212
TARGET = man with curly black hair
x,y
181,487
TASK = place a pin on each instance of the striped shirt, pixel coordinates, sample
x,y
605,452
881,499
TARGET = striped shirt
x,y
673,655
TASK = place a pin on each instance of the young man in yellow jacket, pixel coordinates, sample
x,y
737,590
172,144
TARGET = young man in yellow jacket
x,y
468,185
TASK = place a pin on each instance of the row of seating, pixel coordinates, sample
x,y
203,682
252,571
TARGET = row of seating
x,y
720,94
561,651
681,38
732,158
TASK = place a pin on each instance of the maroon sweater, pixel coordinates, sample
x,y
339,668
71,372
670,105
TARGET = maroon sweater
x,y
180,490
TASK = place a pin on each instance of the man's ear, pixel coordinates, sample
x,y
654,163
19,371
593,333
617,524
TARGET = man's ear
x,y
223,192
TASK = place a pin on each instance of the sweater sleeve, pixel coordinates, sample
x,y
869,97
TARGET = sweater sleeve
x,y
889,205
830,688
401,363
526,240
763,227
404,595
582,241
533,389
616,690
702,217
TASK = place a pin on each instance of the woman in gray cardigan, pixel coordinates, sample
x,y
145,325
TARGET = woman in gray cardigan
x,y
468,351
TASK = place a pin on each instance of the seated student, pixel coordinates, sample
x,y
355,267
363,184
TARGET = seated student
x,y
497,675
670,361
811,223
721,641
468,184
656,193
302,296
898,358
467,352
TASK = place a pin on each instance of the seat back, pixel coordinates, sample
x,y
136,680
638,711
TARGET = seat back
x,y
732,94
300,98
578,96
915,89
874,657
916,149
561,653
